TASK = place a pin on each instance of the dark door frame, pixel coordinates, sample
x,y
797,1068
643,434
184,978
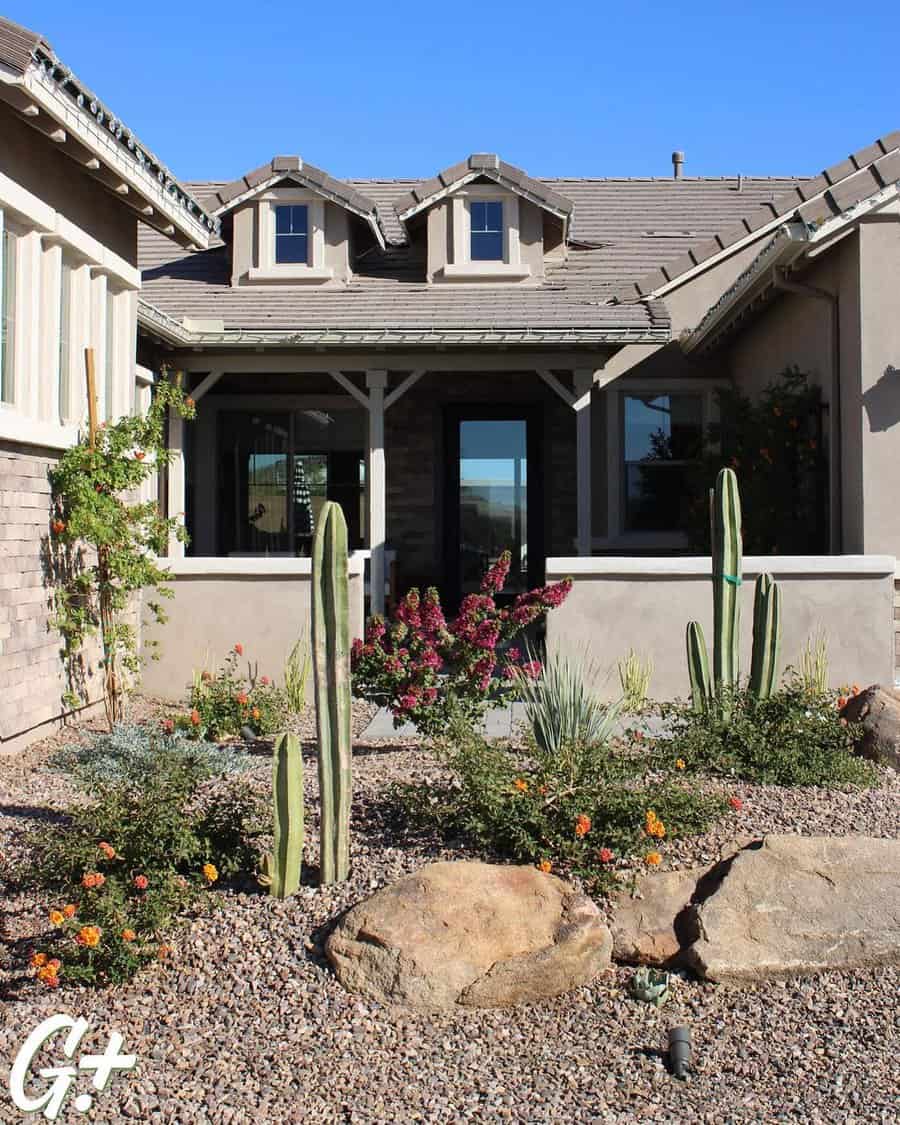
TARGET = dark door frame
x,y
533,415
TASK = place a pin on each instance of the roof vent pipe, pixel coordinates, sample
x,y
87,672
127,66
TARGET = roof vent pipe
x,y
677,164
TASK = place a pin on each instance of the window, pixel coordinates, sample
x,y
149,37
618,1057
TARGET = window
x,y
65,329
109,390
486,226
292,234
663,436
7,310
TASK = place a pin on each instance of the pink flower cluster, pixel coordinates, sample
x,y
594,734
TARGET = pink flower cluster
x,y
426,669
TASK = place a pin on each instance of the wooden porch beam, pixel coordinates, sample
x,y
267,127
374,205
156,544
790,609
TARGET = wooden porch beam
x,y
556,386
205,385
349,386
402,388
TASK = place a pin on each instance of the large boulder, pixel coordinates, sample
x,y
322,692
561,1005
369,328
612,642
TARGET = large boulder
x,y
877,710
470,934
798,904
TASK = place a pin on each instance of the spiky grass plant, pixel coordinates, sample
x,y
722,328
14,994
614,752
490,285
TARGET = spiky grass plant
x,y
296,674
813,670
634,678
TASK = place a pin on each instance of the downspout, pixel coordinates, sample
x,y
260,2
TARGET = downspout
x,y
782,281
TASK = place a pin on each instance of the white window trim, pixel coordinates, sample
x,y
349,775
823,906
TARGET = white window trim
x,y
270,270
616,537
462,267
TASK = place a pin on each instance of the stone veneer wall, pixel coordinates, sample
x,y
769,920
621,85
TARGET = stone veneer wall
x,y
414,450
32,673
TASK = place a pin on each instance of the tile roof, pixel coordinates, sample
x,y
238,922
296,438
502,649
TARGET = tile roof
x,y
18,44
620,228
812,200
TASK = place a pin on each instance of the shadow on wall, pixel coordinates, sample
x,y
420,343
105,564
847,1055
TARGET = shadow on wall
x,y
882,401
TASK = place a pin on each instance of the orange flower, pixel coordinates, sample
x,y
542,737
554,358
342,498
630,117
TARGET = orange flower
x,y
56,918
546,866
58,527
255,714
736,803
189,403
842,702
210,872
163,952
141,882
128,935
680,763
653,858
241,697
48,977
38,960
521,784
195,717
582,825
89,936
108,850
69,910
93,879
854,690
653,826
139,455
605,855
239,649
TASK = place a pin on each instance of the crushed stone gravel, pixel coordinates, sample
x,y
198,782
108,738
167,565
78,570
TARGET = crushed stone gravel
x,y
248,1025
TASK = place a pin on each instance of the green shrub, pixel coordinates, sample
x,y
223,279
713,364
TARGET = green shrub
x,y
143,849
224,702
580,810
792,738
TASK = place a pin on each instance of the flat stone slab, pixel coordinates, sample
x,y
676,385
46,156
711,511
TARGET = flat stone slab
x,y
499,722
470,934
797,904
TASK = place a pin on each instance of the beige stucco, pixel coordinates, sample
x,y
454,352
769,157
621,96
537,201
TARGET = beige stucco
x,y
621,604
262,604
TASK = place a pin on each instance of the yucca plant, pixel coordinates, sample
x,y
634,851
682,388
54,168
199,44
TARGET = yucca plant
x,y
813,670
634,678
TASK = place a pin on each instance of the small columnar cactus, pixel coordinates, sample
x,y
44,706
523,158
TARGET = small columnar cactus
x,y
281,867
766,637
331,668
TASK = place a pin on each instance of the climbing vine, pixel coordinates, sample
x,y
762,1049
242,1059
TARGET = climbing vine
x,y
104,544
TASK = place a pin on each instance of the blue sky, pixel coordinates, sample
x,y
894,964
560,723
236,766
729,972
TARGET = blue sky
x,y
403,89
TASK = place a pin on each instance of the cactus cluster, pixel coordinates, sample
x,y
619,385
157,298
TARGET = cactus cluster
x,y
331,669
727,560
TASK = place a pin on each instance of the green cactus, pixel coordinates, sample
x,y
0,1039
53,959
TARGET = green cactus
x,y
766,637
653,986
281,867
331,668
727,563
698,667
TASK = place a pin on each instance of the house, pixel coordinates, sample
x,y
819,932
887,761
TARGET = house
x,y
75,184
486,359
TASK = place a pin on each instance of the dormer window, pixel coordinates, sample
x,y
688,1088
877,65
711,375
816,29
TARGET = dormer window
x,y
291,234
486,235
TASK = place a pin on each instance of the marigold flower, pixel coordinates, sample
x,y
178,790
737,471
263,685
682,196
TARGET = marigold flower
x,y
521,784
546,866
56,918
55,964
38,960
736,803
69,910
141,882
92,880
210,872
89,936
48,977
163,952
680,763
654,859
239,649
582,825
128,935
108,850
195,717
255,714
605,855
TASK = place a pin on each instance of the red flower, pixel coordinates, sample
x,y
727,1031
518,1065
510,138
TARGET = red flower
x,y
736,803
264,680
605,855
139,455
58,527
239,649
241,698
195,717
168,726
141,882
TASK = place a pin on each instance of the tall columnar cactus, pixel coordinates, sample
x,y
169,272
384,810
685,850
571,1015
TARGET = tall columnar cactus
x,y
766,637
727,562
331,666
283,866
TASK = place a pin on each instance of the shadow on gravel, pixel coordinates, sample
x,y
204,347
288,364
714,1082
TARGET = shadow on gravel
x,y
34,812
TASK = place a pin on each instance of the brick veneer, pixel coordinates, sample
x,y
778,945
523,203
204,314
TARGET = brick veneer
x,y
414,451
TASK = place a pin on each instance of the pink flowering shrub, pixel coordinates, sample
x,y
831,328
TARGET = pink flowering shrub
x,y
429,670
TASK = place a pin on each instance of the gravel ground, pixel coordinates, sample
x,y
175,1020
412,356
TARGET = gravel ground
x,y
248,1024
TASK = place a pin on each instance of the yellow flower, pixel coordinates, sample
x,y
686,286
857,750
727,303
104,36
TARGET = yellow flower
x,y
679,763
653,858
546,866
56,918
210,874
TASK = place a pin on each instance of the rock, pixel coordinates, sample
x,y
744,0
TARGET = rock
x,y
877,710
470,934
798,904
648,928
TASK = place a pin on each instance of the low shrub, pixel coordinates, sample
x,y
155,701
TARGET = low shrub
x,y
138,852
222,703
795,737
582,810
432,672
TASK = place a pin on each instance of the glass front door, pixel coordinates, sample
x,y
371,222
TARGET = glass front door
x,y
493,502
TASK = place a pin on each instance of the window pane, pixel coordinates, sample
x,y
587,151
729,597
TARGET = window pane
x,y
65,302
291,233
7,312
291,248
253,483
663,434
487,230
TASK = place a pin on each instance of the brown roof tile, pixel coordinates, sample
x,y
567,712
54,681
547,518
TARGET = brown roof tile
x,y
17,45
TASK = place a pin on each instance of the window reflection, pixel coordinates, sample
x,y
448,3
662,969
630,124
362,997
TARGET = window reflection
x,y
663,435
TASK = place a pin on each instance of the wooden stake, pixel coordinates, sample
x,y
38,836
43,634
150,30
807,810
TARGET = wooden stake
x,y
91,394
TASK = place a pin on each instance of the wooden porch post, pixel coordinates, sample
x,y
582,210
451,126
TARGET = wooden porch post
x,y
584,381
376,382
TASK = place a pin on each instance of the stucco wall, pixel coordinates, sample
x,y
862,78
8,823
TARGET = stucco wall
x,y
645,604
264,604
